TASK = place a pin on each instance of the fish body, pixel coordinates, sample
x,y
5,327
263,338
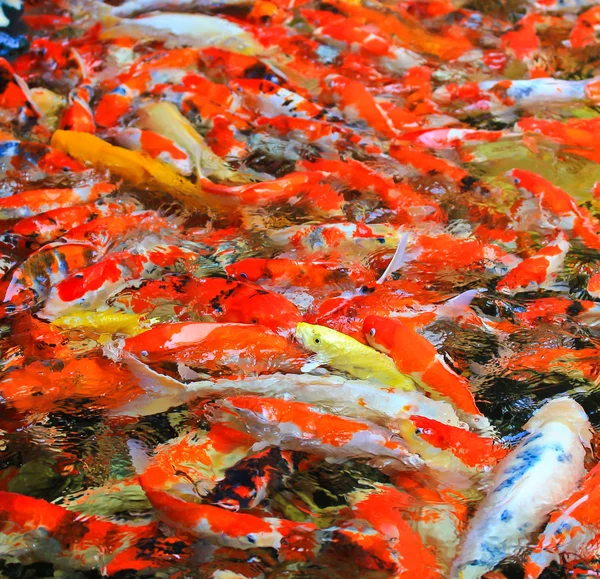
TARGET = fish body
x,y
348,355
528,484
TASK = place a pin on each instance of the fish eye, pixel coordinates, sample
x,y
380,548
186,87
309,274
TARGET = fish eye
x,y
372,332
243,275
317,341
251,538
144,353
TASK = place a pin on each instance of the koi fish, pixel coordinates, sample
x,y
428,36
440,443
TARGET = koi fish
x,y
108,321
571,532
238,530
230,348
301,426
91,286
36,230
415,356
538,271
537,475
384,507
559,205
314,275
35,527
221,300
360,399
348,355
34,202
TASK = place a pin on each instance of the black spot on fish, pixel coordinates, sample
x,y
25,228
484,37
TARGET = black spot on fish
x,y
256,71
5,79
467,183
575,308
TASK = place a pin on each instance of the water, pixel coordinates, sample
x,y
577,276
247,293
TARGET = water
x,y
79,420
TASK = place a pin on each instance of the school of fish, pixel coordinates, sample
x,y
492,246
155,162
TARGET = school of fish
x,y
300,288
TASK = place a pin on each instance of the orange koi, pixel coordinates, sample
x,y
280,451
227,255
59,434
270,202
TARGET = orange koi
x,y
416,356
426,163
593,286
53,534
38,339
357,104
313,275
222,300
49,385
282,189
78,115
384,508
584,32
218,347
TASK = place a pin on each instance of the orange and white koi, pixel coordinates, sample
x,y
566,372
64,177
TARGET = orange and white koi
x,y
15,95
354,38
78,116
36,201
558,206
571,534
324,236
91,286
190,465
238,530
427,367
301,426
357,104
538,271
48,226
272,100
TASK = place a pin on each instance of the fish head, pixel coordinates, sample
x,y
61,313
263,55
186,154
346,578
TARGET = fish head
x,y
252,268
567,411
379,332
311,337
